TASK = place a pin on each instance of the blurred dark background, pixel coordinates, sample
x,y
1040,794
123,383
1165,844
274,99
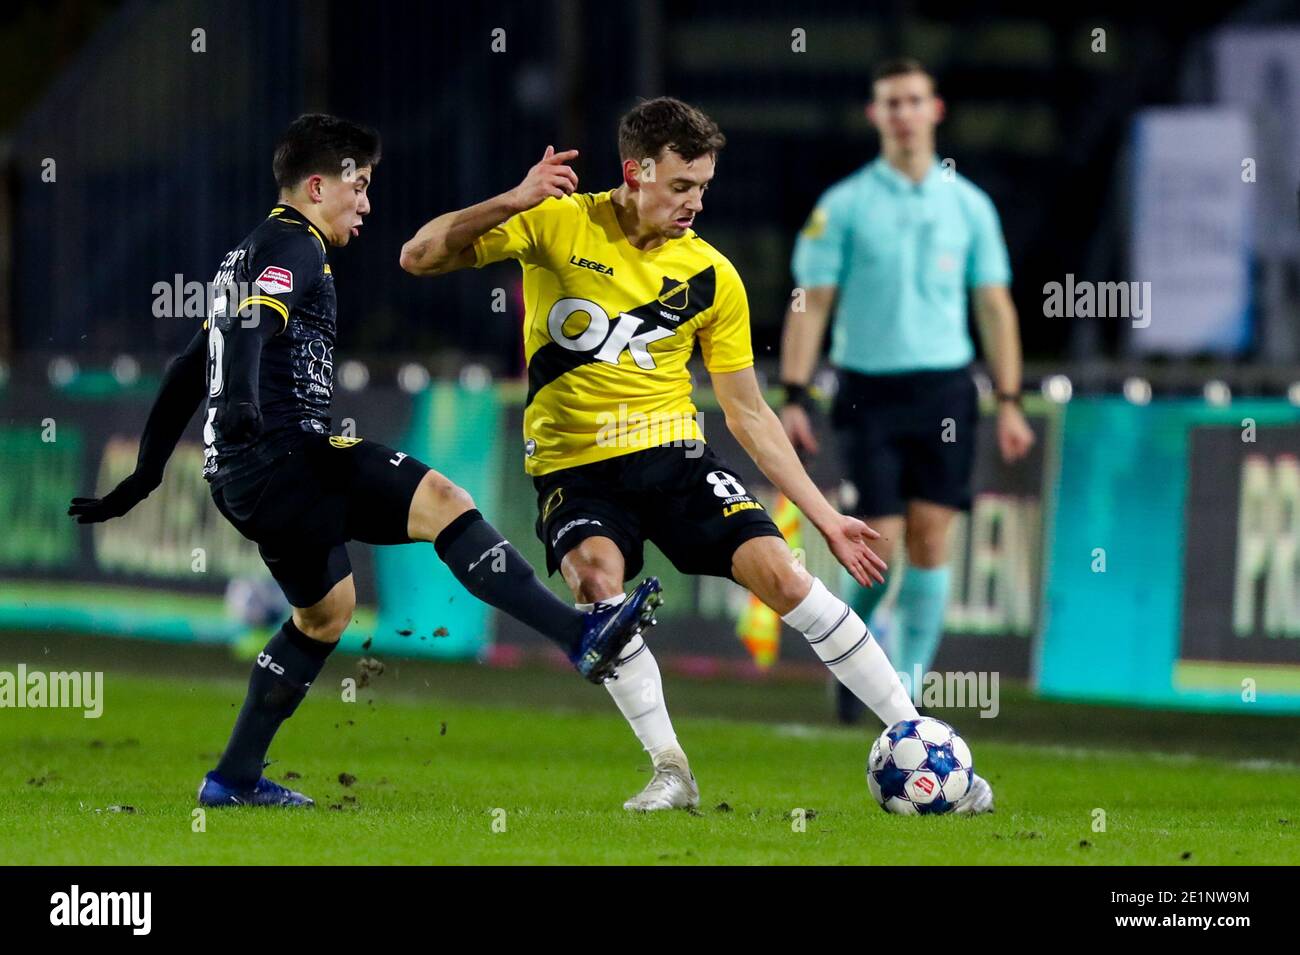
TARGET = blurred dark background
x,y
162,154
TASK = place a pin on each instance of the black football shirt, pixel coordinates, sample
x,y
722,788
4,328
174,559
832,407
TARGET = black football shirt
x,y
276,284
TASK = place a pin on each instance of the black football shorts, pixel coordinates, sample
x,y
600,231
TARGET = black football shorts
x,y
685,501
907,436
315,498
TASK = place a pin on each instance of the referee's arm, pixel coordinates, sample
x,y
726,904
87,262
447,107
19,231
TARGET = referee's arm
x,y
801,345
999,329
818,264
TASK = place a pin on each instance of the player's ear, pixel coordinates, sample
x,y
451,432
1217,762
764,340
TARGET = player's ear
x,y
940,109
315,187
632,174
869,111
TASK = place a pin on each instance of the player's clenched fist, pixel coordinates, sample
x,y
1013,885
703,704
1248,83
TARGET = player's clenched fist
x,y
550,178
241,422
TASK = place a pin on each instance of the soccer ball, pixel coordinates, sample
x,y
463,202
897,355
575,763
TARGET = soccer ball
x,y
919,767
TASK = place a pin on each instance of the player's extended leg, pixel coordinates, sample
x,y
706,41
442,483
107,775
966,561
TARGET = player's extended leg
x,y
281,677
492,570
765,566
593,569
923,592
838,636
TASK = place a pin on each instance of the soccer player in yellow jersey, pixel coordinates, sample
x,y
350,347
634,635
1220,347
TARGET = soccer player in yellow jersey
x,y
618,290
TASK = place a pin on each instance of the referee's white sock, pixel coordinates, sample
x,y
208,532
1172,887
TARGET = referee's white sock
x,y
846,646
639,694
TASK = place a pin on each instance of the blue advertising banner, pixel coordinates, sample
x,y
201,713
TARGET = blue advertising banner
x,y
1162,587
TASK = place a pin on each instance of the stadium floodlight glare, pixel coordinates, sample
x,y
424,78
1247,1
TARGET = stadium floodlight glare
x,y
475,377
353,375
1137,390
1217,392
61,370
413,378
126,370
1292,393
1057,388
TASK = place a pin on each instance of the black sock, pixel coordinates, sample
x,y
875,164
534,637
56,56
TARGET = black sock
x,y
497,574
281,677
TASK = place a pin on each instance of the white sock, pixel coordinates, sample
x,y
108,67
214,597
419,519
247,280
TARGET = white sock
x,y
846,646
639,694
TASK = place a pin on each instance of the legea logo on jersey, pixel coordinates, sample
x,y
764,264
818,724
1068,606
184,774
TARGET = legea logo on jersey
x,y
592,264
608,340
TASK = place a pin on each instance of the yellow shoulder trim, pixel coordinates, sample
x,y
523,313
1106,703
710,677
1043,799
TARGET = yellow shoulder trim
x,y
269,302
312,229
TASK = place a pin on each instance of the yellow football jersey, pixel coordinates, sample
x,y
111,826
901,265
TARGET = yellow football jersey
x,y
608,330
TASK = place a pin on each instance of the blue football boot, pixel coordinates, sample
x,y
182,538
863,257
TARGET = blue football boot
x,y
609,629
214,793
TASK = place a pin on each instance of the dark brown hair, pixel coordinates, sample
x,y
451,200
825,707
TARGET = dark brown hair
x,y
317,143
901,66
654,125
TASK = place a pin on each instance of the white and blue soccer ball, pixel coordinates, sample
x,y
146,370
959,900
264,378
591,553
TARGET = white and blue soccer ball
x,y
919,767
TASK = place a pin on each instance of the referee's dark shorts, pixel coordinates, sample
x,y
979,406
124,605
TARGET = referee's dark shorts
x,y
907,436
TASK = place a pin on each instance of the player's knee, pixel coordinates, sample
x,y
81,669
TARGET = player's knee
x,y
436,504
926,546
791,584
591,576
597,585
325,627
327,620
593,580
781,584
446,499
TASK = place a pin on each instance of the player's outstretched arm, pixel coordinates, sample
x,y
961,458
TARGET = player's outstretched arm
x,y
801,344
446,244
182,390
759,432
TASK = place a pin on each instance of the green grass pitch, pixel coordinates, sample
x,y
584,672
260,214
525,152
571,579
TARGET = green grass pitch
x,y
483,766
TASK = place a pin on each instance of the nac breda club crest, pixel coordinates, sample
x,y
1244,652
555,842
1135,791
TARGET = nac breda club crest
x,y
675,294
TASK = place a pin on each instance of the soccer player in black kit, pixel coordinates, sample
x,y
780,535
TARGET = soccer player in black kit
x,y
263,360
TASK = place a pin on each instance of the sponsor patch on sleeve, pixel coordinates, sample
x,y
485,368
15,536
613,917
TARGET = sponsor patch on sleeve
x,y
275,280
